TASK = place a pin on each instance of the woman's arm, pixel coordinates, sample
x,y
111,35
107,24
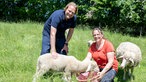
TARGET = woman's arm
x,y
110,57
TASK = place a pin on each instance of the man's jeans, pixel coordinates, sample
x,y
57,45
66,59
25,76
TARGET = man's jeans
x,y
46,47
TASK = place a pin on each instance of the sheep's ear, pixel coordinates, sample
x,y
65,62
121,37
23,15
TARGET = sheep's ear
x,y
89,67
131,61
120,57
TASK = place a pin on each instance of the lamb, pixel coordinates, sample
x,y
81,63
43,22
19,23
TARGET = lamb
x,y
63,63
131,56
90,42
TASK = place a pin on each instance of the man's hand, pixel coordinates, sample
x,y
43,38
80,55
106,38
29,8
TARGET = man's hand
x,y
65,48
54,55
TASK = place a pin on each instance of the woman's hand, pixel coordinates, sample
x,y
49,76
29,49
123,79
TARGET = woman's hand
x,y
100,75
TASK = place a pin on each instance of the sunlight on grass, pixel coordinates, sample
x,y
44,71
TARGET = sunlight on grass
x,y
21,45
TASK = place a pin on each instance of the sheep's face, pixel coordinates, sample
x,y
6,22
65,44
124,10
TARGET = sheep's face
x,y
127,62
94,66
90,43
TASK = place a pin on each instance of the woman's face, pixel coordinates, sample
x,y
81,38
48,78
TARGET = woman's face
x,y
70,12
97,35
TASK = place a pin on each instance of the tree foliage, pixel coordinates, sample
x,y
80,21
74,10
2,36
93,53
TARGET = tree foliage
x,y
127,16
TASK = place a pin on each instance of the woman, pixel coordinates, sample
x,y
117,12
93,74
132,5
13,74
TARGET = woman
x,y
102,51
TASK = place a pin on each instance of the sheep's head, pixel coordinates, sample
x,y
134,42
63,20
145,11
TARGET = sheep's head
x,y
126,62
90,43
93,67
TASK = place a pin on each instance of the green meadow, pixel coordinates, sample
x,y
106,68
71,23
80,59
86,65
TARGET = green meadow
x,y
20,46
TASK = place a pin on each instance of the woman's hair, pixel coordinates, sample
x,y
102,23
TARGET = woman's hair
x,y
73,4
98,29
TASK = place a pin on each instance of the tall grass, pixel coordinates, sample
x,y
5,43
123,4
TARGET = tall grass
x,y
20,45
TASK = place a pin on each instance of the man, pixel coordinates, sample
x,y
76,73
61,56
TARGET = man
x,y
53,39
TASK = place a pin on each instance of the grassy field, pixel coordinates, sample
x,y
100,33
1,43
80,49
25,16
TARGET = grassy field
x,y
20,45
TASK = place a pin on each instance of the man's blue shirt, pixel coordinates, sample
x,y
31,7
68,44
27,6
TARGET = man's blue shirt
x,y
57,20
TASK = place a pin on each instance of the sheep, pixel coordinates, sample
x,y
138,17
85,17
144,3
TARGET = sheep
x,y
131,56
90,42
63,63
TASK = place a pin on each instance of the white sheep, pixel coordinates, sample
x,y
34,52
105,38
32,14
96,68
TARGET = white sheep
x,y
90,42
63,63
131,56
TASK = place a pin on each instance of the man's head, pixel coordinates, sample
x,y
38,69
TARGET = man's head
x,y
70,10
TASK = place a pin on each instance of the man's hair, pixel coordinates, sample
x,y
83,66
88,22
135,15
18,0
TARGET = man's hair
x,y
73,4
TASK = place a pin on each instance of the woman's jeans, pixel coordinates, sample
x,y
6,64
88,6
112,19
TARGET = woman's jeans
x,y
109,76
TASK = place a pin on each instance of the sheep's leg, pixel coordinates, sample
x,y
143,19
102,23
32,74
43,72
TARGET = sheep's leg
x,y
35,76
38,68
129,72
132,76
42,70
64,77
124,76
67,76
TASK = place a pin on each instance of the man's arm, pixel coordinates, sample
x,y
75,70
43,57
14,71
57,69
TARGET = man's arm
x,y
69,35
53,39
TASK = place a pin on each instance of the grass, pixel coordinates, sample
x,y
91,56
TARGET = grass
x,y
20,46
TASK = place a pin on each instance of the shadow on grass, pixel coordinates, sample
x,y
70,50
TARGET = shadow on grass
x,y
51,75
120,76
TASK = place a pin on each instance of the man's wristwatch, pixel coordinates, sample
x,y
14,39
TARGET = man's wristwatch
x,y
66,43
